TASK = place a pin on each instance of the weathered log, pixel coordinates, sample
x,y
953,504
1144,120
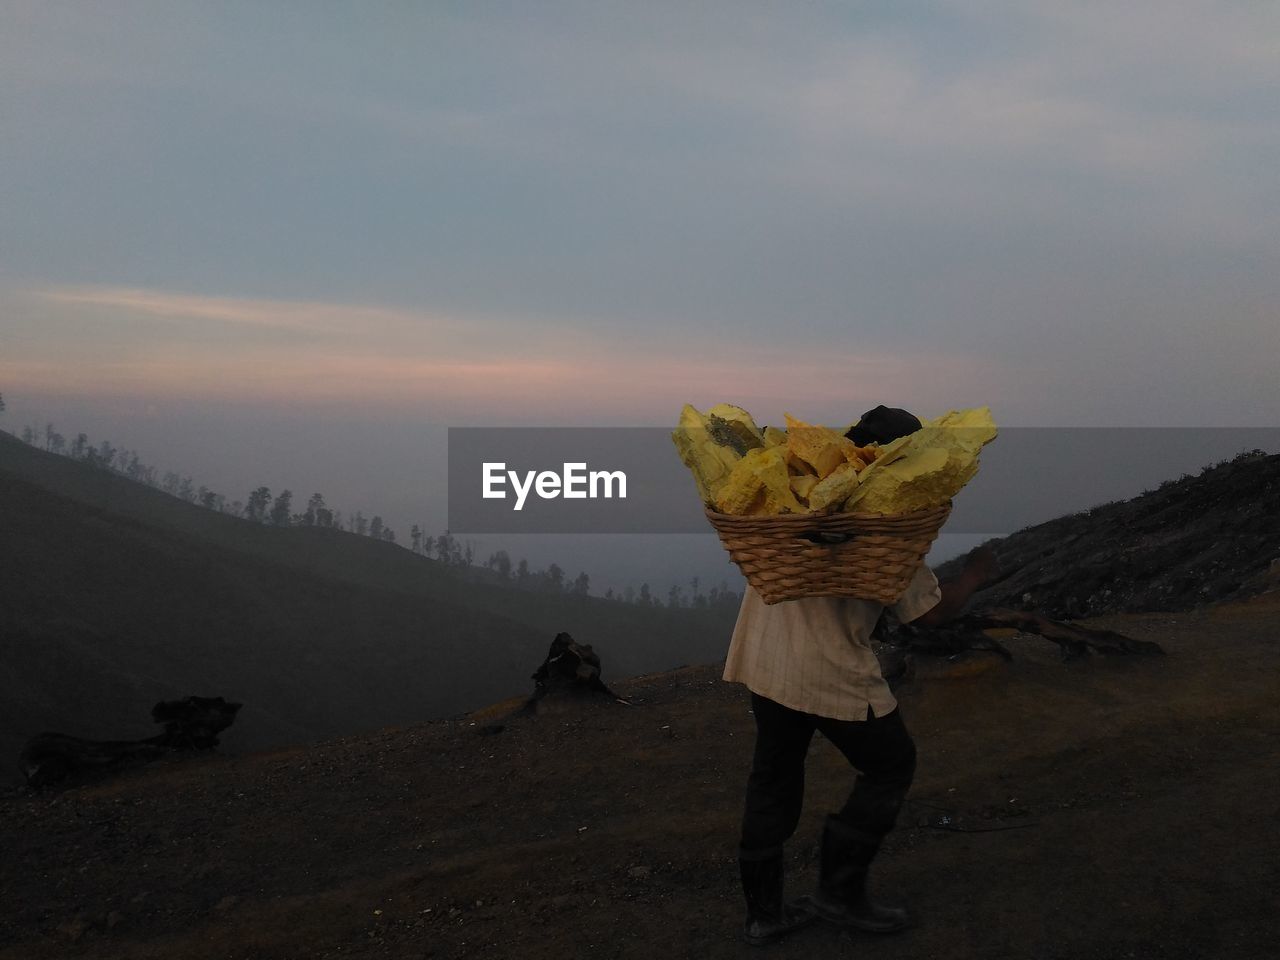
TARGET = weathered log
x,y
190,724
1074,639
968,632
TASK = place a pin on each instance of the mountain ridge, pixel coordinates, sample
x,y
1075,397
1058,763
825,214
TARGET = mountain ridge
x,y
118,596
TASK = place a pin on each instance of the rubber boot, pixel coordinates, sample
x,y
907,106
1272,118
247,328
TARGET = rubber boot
x,y
842,883
769,917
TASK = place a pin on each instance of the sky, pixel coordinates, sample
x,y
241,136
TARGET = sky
x,y
291,243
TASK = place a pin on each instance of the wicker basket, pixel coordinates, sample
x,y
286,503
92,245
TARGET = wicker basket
x,y
867,556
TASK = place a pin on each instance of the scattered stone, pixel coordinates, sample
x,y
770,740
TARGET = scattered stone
x,y
73,929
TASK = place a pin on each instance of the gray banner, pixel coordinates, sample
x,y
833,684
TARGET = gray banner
x,y
1028,475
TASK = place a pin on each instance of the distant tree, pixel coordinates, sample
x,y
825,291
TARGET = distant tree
x,y
375,528
80,445
280,515
555,577
415,538
468,554
1,403
57,443
581,585
500,563
187,490
48,436
608,594
29,435
256,509
629,594
675,596
317,514
389,535
359,525
724,597
135,469
107,455
209,499
428,544
522,571
646,598
309,512
235,508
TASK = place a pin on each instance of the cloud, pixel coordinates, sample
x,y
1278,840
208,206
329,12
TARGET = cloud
x,y
274,314
513,371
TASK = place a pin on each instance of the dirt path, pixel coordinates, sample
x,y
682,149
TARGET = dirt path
x,y
1094,809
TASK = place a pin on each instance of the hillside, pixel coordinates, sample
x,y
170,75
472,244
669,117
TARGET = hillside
x,y
1101,808
116,596
1200,539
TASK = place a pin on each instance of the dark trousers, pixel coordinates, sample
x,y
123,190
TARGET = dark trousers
x,y
879,748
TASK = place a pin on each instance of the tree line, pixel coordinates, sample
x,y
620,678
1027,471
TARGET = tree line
x,y
278,510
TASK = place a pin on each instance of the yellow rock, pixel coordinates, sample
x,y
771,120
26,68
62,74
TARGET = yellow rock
x,y
927,468
759,484
708,461
834,488
802,484
741,469
961,430
774,437
820,447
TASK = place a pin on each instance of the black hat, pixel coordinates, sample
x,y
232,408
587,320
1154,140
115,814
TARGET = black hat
x,y
882,425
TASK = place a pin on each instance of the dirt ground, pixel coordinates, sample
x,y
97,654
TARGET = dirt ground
x,y
1107,807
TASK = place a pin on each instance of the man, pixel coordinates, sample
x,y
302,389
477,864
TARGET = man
x,y
810,666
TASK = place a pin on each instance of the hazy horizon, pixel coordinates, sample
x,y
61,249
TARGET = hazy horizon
x,y
271,246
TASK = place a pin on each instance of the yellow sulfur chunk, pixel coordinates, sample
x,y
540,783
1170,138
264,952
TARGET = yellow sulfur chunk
x,y
801,485
862,457
740,417
926,468
834,488
708,461
820,447
758,484
915,481
743,470
967,430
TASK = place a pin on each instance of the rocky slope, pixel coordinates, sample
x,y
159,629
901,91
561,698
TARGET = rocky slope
x,y
1101,808
1199,539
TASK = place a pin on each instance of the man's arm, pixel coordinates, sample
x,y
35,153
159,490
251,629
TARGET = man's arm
x,y
980,568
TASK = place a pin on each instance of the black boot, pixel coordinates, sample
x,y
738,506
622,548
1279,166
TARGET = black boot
x,y
769,917
842,883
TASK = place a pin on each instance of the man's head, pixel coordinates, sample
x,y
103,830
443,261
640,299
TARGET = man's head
x,y
882,425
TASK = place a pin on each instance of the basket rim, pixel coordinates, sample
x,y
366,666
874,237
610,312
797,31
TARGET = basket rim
x,y
808,519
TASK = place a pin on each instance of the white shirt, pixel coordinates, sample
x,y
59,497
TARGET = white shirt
x,y
814,654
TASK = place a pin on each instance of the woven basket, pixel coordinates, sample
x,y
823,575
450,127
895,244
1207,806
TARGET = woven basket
x,y
868,556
